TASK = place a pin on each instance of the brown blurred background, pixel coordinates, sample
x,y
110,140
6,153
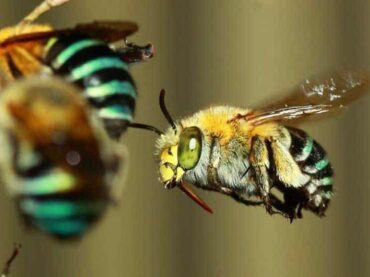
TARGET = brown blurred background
x,y
236,53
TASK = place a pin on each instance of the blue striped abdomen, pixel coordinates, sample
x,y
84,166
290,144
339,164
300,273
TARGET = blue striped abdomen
x,y
62,217
101,74
312,160
56,201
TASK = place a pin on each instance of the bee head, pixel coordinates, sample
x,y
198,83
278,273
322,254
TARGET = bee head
x,y
179,152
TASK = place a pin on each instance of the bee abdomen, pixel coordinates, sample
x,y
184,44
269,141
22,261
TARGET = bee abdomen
x,y
47,201
312,160
101,73
62,217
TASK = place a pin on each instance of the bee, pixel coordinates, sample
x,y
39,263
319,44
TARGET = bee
x,y
245,153
62,169
84,55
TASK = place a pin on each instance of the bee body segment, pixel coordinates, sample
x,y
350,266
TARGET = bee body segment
x,y
312,159
101,74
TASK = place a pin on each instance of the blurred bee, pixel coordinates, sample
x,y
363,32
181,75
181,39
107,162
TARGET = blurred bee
x,y
244,153
85,55
57,160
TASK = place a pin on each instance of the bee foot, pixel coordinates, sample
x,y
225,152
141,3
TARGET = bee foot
x,y
272,209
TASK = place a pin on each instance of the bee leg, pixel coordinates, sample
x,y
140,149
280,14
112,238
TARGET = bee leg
x,y
259,158
241,199
299,211
280,208
42,8
296,200
236,196
132,53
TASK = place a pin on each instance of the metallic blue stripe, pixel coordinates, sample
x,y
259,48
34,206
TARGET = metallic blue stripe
x,y
66,227
327,181
72,49
90,67
306,151
110,88
116,112
58,209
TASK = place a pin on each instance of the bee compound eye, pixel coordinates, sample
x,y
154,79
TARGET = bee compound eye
x,y
190,147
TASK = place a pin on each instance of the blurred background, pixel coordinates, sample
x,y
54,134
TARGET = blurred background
x,y
218,52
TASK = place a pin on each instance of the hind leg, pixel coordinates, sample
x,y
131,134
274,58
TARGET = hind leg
x,y
315,201
132,53
42,8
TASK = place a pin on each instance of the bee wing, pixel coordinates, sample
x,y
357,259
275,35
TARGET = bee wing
x,y
108,31
291,114
323,95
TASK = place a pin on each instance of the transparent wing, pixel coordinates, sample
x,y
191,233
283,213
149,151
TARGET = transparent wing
x,y
318,96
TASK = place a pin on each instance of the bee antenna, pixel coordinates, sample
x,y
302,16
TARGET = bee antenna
x,y
146,127
165,112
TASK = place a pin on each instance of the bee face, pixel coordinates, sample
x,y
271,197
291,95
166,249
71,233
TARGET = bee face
x,y
181,155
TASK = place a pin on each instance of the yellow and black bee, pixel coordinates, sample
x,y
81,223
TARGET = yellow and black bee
x,y
84,55
57,160
244,153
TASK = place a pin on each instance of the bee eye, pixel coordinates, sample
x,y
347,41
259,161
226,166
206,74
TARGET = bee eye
x,y
190,147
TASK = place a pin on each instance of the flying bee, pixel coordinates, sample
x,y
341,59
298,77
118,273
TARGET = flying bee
x,y
86,55
57,160
244,153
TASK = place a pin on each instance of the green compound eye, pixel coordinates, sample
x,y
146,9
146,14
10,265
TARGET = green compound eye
x,y
190,147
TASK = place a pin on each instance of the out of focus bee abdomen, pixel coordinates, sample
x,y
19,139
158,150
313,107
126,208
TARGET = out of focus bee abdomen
x,y
101,73
53,199
312,160
63,217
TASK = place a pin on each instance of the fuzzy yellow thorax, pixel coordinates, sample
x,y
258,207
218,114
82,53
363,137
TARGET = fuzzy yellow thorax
x,y
217,125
